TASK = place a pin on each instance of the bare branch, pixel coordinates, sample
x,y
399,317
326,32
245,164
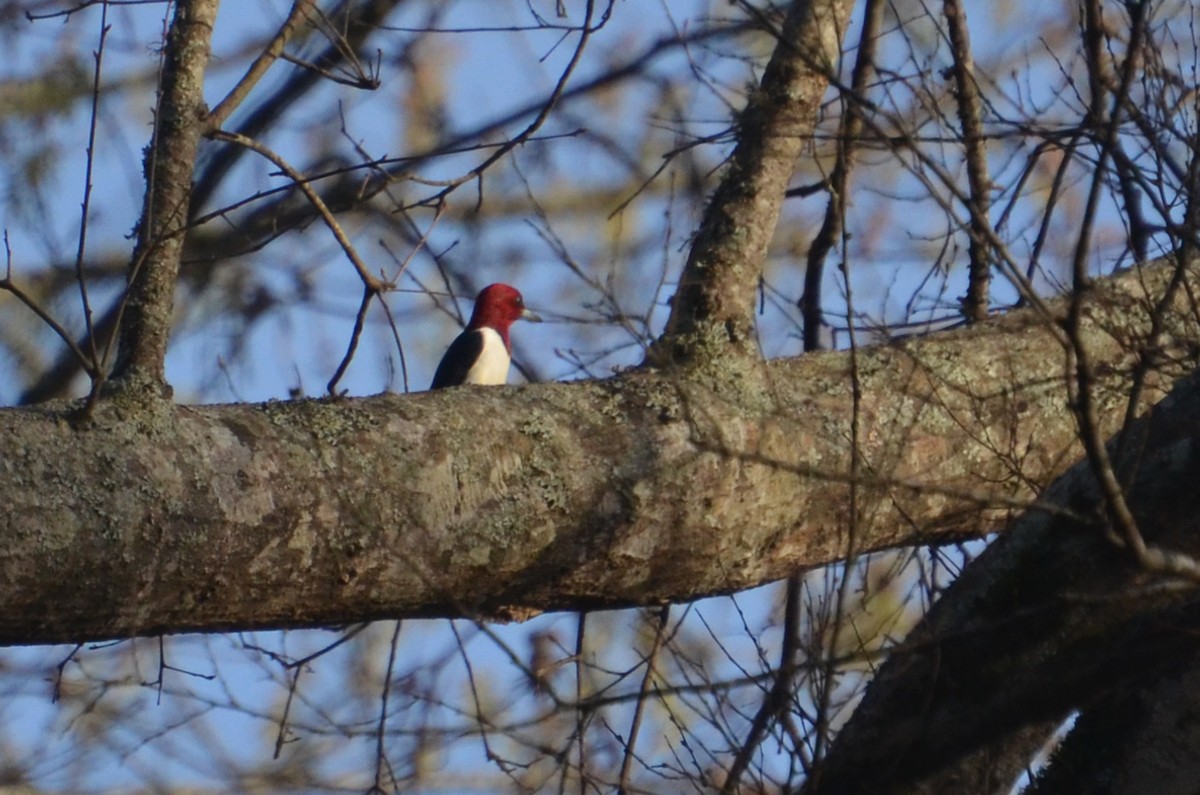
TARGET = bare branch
x,y
370,281
970,114
170,161
8,285
96,369
713,308
838,181
301,9
942,411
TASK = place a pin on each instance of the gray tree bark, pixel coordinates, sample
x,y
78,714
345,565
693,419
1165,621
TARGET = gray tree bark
x,y
179,121
498,502
712,313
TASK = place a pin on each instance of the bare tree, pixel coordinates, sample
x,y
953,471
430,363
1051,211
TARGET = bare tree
x,y
974,505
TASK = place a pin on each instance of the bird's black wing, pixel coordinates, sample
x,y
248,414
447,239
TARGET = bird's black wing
x,y
458,360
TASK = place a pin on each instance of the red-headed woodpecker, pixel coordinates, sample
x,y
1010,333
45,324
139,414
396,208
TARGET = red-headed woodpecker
x,y
482,353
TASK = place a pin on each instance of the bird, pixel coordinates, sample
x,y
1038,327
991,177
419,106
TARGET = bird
x,y
482,352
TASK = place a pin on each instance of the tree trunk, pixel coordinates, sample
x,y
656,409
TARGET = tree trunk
x,y
1052,615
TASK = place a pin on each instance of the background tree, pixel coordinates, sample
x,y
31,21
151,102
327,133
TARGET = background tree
x,y
669,185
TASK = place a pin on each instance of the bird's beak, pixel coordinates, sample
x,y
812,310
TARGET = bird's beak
x,y
532,316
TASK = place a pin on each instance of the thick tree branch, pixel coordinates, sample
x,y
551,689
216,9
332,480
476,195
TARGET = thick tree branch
x,y
491,502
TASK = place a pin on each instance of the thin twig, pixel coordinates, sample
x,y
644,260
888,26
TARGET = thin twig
x,y
480,719
7,285
280,736
1080,387
359,321
970,115
61,667
165,666
387,311
371,282
664,615
586,29
380,757
297,667
580,714
85,206
780,693
829,663
839,179
235,97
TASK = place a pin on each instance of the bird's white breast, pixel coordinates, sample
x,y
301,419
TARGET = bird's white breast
x,y
492,365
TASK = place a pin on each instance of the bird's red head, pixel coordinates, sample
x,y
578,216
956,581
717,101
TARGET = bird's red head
x,y
498,306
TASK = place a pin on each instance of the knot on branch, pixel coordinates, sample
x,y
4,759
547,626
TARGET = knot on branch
x,y
136,396
716,355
